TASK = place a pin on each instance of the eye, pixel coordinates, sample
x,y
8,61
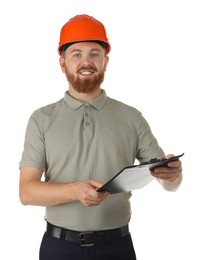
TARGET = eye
x,y
77,55
94,54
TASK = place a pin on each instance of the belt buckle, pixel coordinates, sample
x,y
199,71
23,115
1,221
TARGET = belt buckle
x,y
83,236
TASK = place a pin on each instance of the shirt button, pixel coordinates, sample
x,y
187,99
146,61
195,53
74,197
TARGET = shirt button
x,y
86,106
87,123
86,114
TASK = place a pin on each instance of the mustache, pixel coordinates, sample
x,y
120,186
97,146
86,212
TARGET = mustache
x,y
88,67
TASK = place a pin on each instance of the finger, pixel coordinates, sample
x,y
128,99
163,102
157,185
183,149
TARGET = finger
x,y
175,164
169,156
95,184
159,170
89,201
97,197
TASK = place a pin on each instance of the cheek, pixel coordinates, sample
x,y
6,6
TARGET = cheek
x,y
70,70
71,67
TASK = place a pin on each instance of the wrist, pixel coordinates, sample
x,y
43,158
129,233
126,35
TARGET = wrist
x,y
172,185
70,191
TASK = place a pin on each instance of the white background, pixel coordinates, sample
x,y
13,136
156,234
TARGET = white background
x,y
156,65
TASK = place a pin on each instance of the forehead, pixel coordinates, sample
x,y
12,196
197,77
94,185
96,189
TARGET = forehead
x,y
85,46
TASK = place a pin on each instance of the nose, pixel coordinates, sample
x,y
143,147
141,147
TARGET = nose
x,y
86,60
87,66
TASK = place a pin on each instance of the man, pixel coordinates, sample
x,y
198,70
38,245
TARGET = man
x,y
79,143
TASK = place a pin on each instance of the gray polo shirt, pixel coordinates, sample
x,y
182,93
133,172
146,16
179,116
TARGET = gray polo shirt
x,y
72,141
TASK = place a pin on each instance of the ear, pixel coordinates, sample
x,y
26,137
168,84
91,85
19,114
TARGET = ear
x,y
62,64
106,62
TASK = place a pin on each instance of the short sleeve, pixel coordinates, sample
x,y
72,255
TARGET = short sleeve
x,y
34,154
148,146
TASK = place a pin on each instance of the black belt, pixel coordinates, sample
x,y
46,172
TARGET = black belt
x,y
87,238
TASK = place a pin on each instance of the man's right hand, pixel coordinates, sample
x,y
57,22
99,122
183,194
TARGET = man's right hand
x,y
86,193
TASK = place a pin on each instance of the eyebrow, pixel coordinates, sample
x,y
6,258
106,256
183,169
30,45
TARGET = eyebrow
x,y
75,50
79,50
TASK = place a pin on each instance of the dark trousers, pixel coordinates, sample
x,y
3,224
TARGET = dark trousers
x,y
57,249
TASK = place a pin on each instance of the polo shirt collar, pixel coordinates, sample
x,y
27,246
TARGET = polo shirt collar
x,y
75,104
99,102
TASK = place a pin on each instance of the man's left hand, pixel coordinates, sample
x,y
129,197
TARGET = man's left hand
x,y
169,173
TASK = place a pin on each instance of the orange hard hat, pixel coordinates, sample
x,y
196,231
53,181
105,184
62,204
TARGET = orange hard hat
x,y
83,28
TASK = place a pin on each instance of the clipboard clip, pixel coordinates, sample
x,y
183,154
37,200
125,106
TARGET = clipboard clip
x,y
162,161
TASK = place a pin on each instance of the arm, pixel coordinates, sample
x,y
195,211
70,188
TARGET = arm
x,y
169,177
34,191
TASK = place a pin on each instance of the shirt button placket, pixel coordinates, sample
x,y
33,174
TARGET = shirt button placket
x,y
87,119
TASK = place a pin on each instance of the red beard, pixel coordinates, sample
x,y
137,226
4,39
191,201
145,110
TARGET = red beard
x,y
85,85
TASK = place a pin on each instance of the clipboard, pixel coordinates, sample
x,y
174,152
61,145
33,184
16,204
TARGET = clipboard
x,y
135,176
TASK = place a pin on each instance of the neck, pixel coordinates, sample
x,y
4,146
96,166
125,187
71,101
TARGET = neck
x,y
85,97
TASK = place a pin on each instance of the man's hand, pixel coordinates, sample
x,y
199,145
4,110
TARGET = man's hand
x,y
86,193
171,173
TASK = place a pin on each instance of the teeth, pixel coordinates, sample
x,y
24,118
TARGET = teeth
x,y
86,73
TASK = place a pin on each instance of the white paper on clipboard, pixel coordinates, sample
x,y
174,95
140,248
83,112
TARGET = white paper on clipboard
x,y
129,179
135,176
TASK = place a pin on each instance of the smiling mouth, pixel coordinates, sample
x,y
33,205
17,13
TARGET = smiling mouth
x,y
86,72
